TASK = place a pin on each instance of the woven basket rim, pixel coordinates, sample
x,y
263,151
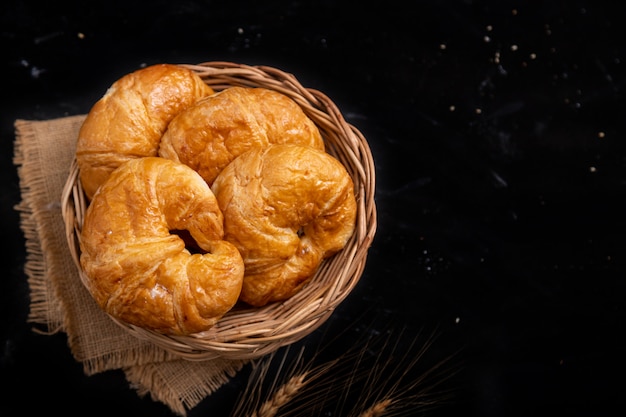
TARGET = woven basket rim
x,y
251,332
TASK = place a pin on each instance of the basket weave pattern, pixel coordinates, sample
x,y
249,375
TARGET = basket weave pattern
x,y
247,332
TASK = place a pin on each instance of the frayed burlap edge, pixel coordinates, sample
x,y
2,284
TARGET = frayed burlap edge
x,y
46,308
150,380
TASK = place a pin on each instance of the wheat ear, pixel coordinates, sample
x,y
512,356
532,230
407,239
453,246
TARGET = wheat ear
x,y
378,409
282,396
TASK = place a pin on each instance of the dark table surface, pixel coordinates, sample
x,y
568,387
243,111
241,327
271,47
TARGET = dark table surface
x,y
498,130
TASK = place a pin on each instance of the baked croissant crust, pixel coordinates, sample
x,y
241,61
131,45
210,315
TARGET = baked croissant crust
x,y
286,207
210,134
135,259
129,120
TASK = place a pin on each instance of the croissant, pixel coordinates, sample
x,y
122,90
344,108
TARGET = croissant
x,y
286,208
129,120
153,253
210,134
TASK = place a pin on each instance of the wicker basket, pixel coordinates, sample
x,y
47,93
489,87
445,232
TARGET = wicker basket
x,y
246,332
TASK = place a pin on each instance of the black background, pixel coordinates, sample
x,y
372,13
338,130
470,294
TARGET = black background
x,y
499,136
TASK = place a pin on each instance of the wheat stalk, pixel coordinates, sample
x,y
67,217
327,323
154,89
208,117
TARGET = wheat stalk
x,y
297,377
378,409
394,390
350,381
282,396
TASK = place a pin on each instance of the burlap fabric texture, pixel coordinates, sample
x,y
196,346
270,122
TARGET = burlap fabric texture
x,y
60,303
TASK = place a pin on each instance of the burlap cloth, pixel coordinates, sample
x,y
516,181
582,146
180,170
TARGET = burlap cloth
x,y
60,303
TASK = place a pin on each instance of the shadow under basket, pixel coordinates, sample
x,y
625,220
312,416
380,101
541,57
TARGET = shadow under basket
x,y
252,332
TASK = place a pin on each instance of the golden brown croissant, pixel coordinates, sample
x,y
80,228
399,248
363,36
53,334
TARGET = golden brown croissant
x,y
137,265
129,120
211,133
286,208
